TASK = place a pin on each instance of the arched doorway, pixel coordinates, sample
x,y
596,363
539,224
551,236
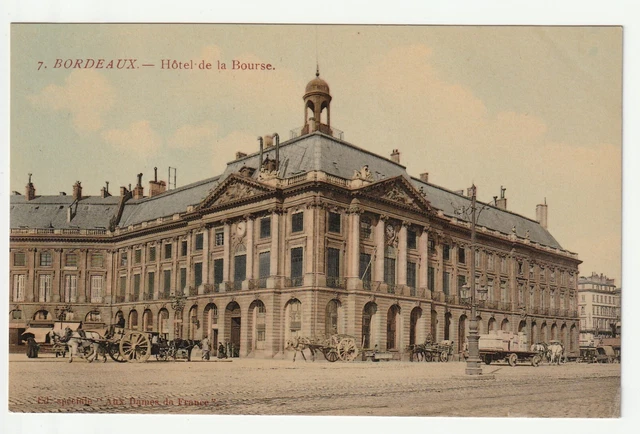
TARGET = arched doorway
x,y
332,324
210,326
257,325
163,322
147,320
414,321
368,321
42,315
462,332
117,318
564,336
522,326
505,326
233,328
554,332
393,329
192,327
573,338
133,319
544,333
492,325
434,326
292,319
534,333
447,326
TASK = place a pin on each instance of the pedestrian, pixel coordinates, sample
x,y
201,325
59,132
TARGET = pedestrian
x,y
204,344
32,348
221,353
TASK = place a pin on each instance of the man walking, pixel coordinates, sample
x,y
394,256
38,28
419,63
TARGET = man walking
x,y
206,351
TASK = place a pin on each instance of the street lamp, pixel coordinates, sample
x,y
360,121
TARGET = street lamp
x,y
473,362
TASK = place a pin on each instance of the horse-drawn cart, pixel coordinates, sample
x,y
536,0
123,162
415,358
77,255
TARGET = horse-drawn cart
x,y
431,351
506,346
333,348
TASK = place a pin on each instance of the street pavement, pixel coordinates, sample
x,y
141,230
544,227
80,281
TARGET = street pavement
x,y
283,387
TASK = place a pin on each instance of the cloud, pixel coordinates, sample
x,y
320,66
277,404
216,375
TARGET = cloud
x,y
193,136
86,95
225,148
139,137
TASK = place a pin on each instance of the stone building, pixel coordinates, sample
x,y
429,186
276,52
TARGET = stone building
x,y
599,308
309,237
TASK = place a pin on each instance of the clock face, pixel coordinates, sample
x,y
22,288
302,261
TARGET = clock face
x,y
241,229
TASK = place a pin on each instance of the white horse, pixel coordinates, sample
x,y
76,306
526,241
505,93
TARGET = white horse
x,y
541,349
556,351
77,343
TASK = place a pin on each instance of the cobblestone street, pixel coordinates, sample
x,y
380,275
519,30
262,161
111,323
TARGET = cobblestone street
x,y
250,386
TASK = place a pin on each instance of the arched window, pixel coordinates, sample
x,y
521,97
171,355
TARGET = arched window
x,y
133,319
331,318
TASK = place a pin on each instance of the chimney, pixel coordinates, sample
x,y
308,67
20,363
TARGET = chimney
x,y
502,202
30,190
395,156
470,191
77,191
424,177
268,141
138,192
542,214
156,187
240,155
104,192
124,191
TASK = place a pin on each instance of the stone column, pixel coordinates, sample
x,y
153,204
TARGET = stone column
x,y
56,275
226,252
274,273
353,247
175,245
31,288
402,256
82,277
250,254
205,259
378,274
109,293
310,255
144,279
423,269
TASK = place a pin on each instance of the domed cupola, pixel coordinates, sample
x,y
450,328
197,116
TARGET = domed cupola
x,y
317,99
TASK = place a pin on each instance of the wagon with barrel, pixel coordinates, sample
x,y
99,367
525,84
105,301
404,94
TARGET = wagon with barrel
x,y
509,347
333,347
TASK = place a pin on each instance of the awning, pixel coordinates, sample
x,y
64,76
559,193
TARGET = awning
x,y
39,333
60,326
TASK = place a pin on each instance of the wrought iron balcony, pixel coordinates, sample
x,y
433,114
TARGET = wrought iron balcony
x,y
413,292
147,296
166,294
208,288
391,289
193,291
120,298
492,304
134,297
292,282
366,284
336,282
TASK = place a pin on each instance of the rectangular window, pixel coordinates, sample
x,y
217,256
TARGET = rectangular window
x,y
431,279
520,295
44,293
445,282
197,270
166,282
446,252
123,259
334,222
297,222
412,239
461,255
411,274
219,237
432,247
71,260
183,280
151,285
19,259
46,259
503,292
70,289
136,287
490,261
503,265
265,227
199,242
168,251
137,256
183,248
461,282
333,262
218,272
123,288
97,260
264,265
152,254
365,267
96,289
296,262
18,287
390,271
365,228
490,293
239,268
478,258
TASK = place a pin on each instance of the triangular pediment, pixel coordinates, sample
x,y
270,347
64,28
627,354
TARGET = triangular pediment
x,y
396,191
235,190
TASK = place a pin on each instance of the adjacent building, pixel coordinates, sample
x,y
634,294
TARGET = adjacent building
x,y
599,304
308,237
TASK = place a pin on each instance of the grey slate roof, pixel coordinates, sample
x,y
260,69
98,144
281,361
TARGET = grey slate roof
x,y
303,154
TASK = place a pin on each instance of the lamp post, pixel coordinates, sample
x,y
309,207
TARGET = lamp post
x,y
473,362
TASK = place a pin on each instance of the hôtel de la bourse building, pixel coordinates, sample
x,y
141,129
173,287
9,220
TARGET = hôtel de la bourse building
x,y
306,237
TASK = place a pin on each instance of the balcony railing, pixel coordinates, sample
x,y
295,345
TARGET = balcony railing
x,y
574,314
366,284
391,288
119,298
449,298
292,282
208,288
134,297
147,296
413,292
234,286
505,305
323,128
565,312
193,291
336,282
535,310
165,294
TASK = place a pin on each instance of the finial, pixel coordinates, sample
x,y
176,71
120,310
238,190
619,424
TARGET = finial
x,y
29,178
317,70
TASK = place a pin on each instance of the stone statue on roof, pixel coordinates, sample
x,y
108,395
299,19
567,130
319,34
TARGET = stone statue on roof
x,y
363,174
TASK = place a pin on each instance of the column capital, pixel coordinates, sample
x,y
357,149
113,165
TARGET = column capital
x,y
405,223
249,216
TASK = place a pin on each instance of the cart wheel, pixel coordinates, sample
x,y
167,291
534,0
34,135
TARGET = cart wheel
x,y
135,347
347,349
114,352
444,356
513,359
428,357
331,355
535,360
487,359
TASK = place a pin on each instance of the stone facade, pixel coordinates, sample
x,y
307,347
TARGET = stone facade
x,y
599,308
261,254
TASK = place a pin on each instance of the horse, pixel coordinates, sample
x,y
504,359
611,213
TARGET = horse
x,y
183,345
556,351
542,349
80,341
300,344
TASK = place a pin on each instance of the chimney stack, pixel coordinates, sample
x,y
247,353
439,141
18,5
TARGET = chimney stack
x,y
77,191
124,191
30,190
240,155
395,156
424,177
542,214
138,192
156,187
104,192
502,202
